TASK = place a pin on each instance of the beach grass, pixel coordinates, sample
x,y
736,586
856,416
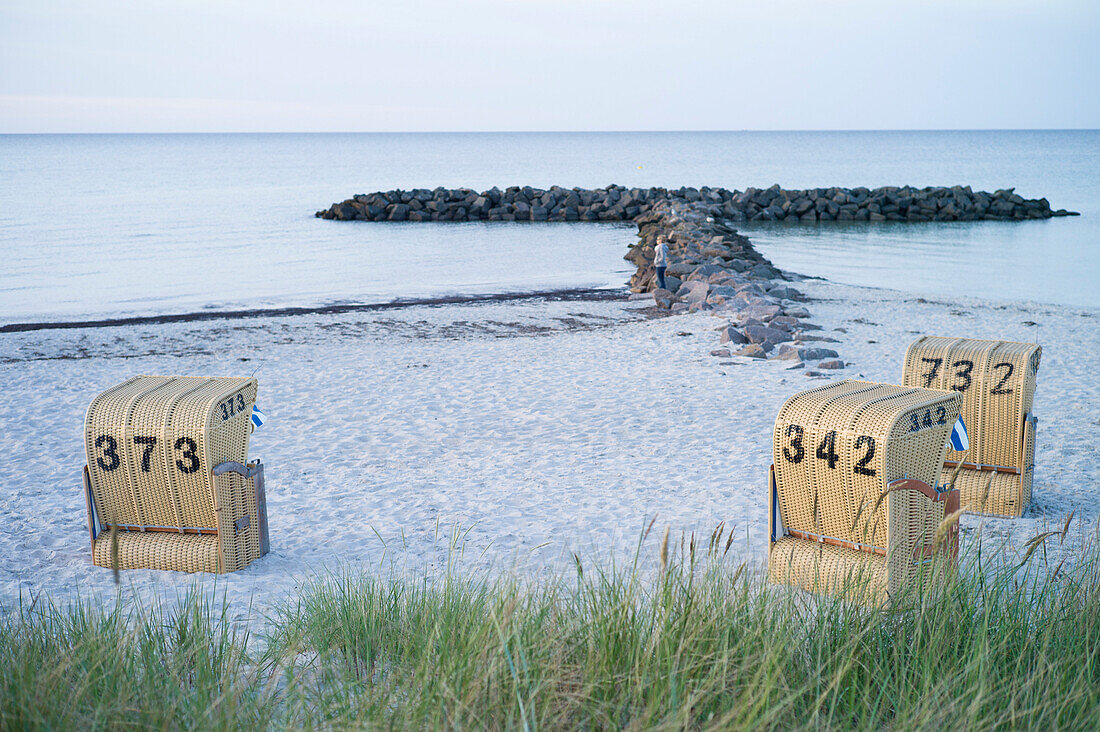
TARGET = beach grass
x,y
686,640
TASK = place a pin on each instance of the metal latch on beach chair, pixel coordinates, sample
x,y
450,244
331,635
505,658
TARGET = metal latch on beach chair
x,y
255,472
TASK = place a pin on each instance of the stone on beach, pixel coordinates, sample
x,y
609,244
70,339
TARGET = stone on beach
x,y
764,334
663,298
817,354
753,350
786,352
729,334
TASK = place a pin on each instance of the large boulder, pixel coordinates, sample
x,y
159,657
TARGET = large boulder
x,y
693,291
681,269
786,352
784,292
759,312
398,212
796,312
752,350
751,288
785,322
764,271
817,354
663,298
720,294
704,272
730,334
766,335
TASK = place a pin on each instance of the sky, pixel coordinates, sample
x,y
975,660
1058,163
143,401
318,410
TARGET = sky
x,y
475,65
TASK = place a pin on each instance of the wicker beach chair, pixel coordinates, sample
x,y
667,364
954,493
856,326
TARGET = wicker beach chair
x,y
997,382
853,508
168,468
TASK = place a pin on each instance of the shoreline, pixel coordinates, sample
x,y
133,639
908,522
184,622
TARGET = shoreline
x,y
566,295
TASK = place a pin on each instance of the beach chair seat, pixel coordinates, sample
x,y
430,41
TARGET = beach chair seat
x,y
168,469
853,503
996,380
828,568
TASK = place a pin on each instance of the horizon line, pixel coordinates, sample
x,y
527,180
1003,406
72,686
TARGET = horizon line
x,y
561,132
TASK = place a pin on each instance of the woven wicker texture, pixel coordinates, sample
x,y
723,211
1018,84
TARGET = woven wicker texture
x,y
179,552
834,570
997,382
152,443
835,450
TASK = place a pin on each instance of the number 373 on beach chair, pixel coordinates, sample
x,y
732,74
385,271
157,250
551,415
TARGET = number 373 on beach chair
x,y
997,382
854,507
168,469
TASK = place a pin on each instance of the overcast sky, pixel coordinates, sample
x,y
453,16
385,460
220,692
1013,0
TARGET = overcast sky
x,y
180,65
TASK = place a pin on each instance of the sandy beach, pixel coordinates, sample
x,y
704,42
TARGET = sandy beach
x,y
534,429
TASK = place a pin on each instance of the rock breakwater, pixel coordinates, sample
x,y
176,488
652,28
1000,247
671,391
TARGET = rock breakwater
x,y
710,266
618,203
714,269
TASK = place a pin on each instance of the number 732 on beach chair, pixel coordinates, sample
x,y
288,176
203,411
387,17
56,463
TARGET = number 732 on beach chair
x,y
168,470
854,507
997,382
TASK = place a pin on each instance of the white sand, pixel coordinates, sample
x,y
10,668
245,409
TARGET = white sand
x,y
541,428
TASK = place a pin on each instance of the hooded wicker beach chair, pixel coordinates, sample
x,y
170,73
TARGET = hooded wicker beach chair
x,y
853,505
997,382
168,469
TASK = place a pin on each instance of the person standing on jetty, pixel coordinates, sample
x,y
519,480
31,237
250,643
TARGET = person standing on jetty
x,y
660,260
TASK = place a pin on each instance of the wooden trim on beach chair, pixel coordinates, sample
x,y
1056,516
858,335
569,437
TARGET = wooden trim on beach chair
x,y
165,529
902,484
833,541
986,468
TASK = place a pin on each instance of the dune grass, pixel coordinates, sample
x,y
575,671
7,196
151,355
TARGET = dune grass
x,y
691,643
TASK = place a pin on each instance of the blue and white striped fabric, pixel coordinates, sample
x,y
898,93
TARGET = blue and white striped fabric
x,y
258,417
959,439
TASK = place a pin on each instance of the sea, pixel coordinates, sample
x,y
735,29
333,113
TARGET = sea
x,y
102,226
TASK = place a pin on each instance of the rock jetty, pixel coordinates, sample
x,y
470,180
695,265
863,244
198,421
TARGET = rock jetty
x,y
711,267
617,203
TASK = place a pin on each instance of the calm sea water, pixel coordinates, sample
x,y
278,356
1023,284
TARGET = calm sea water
x,y
101,225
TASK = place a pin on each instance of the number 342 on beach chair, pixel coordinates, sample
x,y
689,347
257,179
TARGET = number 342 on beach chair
x,y
997,382
168,468
854,507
